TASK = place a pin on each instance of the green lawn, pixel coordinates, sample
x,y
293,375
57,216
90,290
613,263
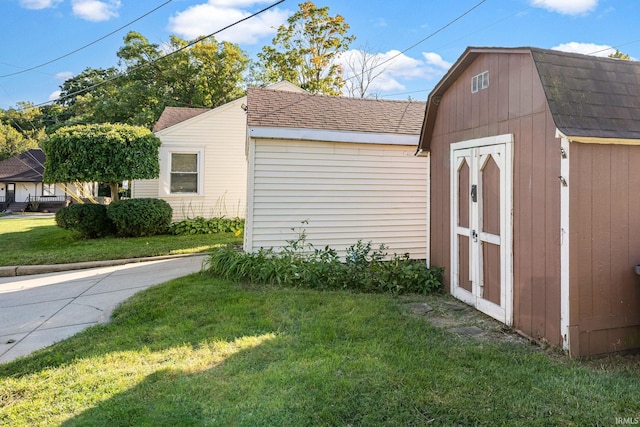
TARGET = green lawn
x,y
31,241
204,351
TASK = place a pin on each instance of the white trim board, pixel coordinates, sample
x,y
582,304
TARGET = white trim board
x,y
333,136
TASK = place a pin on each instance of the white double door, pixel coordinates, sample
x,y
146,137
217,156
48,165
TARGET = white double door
x,y
482,225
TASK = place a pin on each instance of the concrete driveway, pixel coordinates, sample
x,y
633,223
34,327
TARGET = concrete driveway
x,y
39,310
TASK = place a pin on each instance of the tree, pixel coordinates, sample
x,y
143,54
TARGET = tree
x,y
363,68
101,152
207,74
13,142
305,51
619,55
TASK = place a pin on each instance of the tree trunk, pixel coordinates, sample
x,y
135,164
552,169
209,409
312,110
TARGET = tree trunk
x,y
114,191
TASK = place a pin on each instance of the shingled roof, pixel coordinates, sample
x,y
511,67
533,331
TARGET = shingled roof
x,y
273,108
173,115
25,167
589,97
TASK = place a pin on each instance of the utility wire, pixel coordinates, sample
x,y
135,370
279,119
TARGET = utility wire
x,y
453,21
198,40
86,45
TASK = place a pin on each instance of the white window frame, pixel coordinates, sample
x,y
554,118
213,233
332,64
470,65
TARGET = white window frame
x,y
480,81
48,190
165,169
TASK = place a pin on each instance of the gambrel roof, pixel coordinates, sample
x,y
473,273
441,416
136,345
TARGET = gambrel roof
x,y
589,97
24,167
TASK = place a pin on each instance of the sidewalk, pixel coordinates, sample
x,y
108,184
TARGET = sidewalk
x,y
39,310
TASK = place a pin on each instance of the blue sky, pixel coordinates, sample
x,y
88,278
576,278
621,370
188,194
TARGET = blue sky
x,y
37,31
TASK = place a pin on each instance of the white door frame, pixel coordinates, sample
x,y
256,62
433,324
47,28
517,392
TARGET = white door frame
x,y
477,152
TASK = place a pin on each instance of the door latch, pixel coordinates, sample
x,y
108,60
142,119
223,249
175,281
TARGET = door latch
x,y
474,193
474,235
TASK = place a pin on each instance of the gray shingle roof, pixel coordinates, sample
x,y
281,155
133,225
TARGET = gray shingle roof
x,y
591,96
173,115
25,167
273,108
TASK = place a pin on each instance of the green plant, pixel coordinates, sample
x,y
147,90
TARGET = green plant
x,y
300,264
33,205
200,225
87,220
140,217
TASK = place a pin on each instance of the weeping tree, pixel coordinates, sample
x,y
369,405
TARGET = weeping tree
x,y
109,153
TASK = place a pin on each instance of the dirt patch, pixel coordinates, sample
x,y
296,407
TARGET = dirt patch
x,y
446,312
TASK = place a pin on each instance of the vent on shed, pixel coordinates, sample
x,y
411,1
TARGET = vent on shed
x,y
479,82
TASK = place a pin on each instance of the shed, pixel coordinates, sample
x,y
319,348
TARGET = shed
x,y
338,169
534,201
203,167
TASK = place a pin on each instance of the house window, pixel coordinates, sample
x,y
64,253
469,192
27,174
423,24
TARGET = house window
x,y
48,189
479,82
184,173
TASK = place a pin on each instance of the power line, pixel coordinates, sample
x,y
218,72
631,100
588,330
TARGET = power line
x,y
86,45
453,21
198,40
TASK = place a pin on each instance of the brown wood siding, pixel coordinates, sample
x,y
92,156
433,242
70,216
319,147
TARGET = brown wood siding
x,y
513,103
604,246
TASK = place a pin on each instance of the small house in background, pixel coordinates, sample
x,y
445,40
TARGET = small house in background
x,y
535,208
21,186
338,169
203,167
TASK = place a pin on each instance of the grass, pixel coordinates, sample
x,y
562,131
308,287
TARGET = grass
x,y
205,351
35,241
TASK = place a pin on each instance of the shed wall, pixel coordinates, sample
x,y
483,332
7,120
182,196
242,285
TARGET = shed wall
x,y
604,247
221,136
344,192
513,103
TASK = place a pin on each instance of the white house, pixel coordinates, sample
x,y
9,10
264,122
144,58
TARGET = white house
x,y
21,185
203,167
339,169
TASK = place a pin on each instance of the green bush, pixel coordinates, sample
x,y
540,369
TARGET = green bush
x,y
140,217
200,225
88,220
301,265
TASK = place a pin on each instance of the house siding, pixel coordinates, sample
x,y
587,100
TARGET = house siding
x,y
220,136
513,103
337,193
604,247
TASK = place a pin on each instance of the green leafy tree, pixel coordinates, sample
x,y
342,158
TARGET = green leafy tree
x,y
305,51
101,152
207,74
13,142
619,55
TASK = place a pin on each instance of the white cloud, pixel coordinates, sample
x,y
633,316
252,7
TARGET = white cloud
x,y
398,69
206,18
54,95
38,4
566,7
585,48
63,75
435,60
95,10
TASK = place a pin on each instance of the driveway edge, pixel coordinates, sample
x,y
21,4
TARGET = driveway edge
x,y
27,270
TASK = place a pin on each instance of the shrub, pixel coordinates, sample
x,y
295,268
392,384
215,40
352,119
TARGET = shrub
x,y
301,265
140,217
200,225
88,220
